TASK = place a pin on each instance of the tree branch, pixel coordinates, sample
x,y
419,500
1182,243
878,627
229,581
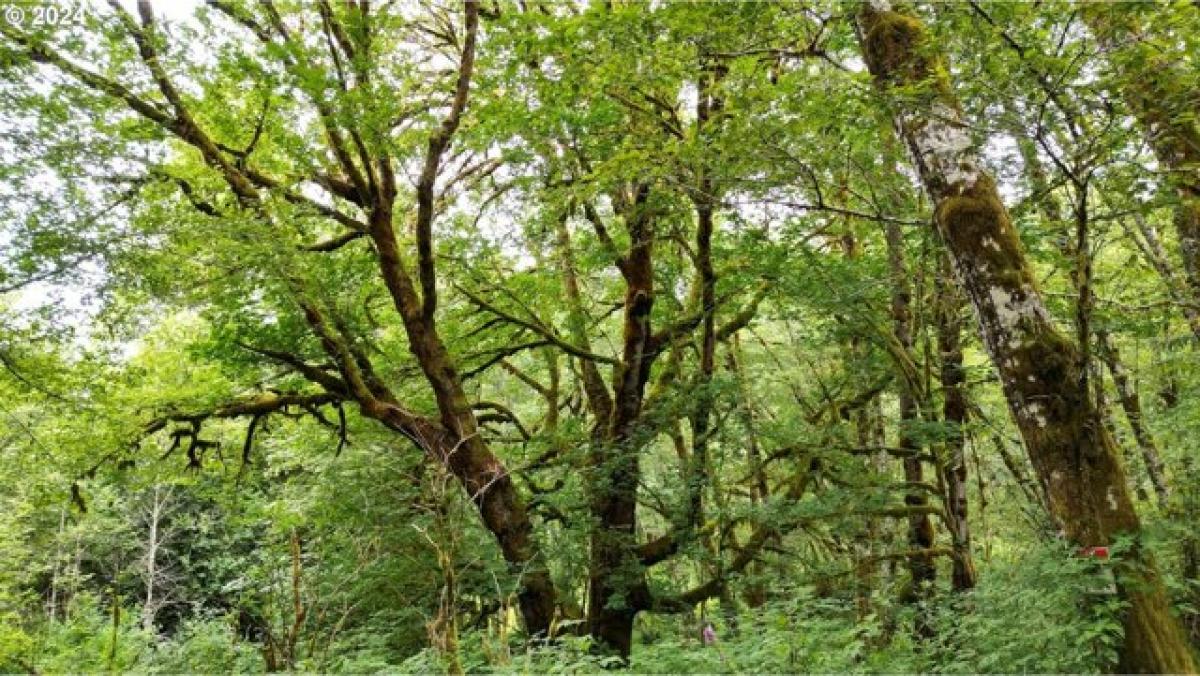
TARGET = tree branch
x,y
433,158
537,328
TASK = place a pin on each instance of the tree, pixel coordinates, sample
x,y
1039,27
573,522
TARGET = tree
x,y
651,292
154,572
362,180
1159,96
1040,370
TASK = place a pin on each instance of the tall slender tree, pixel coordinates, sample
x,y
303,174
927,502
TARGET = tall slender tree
x,y
1154,86
1041,371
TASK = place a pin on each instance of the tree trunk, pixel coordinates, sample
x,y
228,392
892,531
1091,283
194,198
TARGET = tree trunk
x,y
866,538
1132,405
704,201
460,446
920,528
755,593
1051,209
1048,204
155,538
1152,248
1039,368
1166,108
491,488
52,600
954,414
598,398
616,576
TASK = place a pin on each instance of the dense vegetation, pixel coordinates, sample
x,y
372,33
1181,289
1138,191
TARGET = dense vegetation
x,y
530,336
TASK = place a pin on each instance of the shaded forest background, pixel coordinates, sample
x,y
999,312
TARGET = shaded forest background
x,y
532,337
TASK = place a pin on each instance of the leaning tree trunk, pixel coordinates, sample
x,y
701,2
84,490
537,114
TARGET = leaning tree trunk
x,y
1039,368
1166,109
1132,405
482,474
1051,209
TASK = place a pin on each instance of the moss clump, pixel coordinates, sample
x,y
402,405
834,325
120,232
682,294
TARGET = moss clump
x,y
893,44
897,48
976,224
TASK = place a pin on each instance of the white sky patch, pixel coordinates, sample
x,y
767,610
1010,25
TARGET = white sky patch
x,y
999,148
71,295
686,101
170,10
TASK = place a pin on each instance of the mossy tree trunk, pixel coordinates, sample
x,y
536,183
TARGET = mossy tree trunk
x,y
866,425
617,578
755,594
1154,89
452,438
704,201
954,414
1040,369
1051,208
921,568
618,590
1131,403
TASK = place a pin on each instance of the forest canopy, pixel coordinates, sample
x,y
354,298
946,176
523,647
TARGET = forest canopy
x,y
527,336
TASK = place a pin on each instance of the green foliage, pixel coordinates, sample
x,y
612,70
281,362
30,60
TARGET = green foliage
x,y
146,305
1042,611
99,635
1037,610
206,645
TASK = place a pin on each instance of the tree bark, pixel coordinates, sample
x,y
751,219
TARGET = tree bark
x,y
755,593
1051,209
617,583
704,201
1040,369
867,424
1152,248
151,575
1132,405
456,441
954,415
1166,109
598,398
921,567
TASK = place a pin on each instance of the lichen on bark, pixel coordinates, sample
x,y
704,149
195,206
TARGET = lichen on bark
x,y
1041,372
